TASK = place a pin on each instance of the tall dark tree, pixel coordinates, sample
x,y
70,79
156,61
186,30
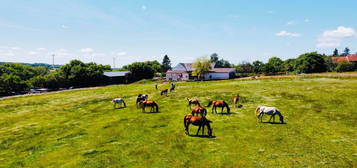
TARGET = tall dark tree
x,y
258,67
346,51
214,57
166,63
335,52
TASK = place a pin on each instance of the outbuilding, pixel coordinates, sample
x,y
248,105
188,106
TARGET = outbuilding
x,y
117,77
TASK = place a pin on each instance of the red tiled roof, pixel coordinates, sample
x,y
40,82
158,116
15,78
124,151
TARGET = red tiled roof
x,y
352,57
339,59
223,70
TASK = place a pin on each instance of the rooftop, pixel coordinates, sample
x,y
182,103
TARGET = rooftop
x,y
116,73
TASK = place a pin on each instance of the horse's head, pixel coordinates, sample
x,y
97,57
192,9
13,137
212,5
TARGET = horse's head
x,y
281,118
209,104
257,110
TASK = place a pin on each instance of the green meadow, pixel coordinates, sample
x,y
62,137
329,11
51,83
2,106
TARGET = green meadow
x,y
80,128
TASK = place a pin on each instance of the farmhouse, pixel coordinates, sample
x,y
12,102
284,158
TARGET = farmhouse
x,y
183,72
117,77
348,58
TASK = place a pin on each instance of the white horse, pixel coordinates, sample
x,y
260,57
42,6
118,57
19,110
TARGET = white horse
x,y
118,101
261,110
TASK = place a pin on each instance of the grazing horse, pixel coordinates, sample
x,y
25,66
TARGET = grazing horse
x,y
199,110
148,103
118,101
236,100
218,103
164,92
172,89
199,121
141,97
261,110
193,101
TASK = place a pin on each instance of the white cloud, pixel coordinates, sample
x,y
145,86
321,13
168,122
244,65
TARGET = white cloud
x,y
143,7
87,50
121,53
292,22
41,49
333,38
15,48
64,27
32,53
287,34
307,20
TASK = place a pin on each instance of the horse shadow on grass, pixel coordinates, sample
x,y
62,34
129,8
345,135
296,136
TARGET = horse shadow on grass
x,y
145,112
202,136
277,123
118,108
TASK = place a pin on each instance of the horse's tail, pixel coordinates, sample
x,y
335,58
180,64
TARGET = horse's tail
x,y
257,110
157,107
228,109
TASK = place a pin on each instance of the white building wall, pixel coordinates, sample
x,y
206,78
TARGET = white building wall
x,y
176,77
216,76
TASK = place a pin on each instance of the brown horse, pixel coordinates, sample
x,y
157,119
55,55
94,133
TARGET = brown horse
x,y
149,103
193,101
164,92
236,100
199,121
218,103
199,110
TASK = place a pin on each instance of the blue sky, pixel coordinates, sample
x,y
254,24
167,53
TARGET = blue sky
x,y
139,30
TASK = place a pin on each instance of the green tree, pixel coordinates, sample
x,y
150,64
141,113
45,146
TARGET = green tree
x,y
274,65
214,57
310,63
335,52
330,66
201,66
244,67
141,70
258,67
288,65
346,51
166,64
11,83
345,67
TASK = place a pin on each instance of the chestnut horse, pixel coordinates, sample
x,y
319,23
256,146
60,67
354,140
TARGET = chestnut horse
x,y
149,103
199,121
218,103
236,100
193,101
164,92
199,110
141,97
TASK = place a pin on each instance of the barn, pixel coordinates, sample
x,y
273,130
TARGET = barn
x,y
220,74
117,77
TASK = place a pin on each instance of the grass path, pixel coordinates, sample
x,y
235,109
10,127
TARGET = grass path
x,y
80,128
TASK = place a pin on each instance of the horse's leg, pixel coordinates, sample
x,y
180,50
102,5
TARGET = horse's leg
x,y
124,104
198,130
203,130
222,110
271,117
261,117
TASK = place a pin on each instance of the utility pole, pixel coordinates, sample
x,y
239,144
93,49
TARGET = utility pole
x,y
113,62
53,61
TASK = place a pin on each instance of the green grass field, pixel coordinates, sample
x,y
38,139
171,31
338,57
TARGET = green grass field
x,y
80,128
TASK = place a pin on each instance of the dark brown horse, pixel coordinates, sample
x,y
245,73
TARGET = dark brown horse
x,y
236,100
164,92
149,103
172,89
218,103
199,121
199,110
193,101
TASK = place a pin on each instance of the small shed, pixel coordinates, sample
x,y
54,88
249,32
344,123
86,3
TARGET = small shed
x,y
220,74
117,77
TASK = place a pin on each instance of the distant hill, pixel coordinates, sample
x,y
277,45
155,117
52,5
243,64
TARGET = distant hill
x,y
35,64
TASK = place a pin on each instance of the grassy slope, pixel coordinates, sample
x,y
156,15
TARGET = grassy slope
x,y
81,129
